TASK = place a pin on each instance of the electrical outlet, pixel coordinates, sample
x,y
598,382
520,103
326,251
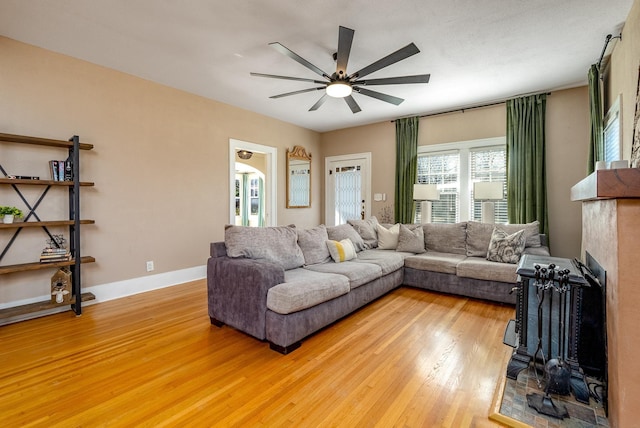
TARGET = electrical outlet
x,y
150,266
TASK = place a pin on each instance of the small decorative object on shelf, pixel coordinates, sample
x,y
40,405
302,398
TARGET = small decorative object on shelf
x,y
61,286
9,214
56,250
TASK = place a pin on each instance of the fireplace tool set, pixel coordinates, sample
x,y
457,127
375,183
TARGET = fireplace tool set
x,y
547,322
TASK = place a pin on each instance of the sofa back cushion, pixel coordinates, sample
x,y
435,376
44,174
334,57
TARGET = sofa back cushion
x,y
312,242
446,238
367,231
276,244
346,231
479,235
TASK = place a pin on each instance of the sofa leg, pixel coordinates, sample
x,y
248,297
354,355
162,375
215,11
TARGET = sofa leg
x,y
216,322
285,349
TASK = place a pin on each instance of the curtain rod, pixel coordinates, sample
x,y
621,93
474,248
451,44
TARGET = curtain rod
x,y
604,48
472,107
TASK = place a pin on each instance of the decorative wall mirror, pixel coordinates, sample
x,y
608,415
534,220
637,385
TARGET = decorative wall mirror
x,y
298,178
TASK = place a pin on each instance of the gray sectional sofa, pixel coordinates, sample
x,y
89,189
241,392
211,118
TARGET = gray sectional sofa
x,y
281,284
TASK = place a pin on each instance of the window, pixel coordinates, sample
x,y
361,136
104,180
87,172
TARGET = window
x,y
255,198
612,133
454,168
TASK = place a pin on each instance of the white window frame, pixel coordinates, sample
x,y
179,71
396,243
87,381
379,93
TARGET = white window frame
x,y
463,148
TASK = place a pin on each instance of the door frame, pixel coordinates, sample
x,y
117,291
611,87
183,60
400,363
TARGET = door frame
x,y
365,158
271,179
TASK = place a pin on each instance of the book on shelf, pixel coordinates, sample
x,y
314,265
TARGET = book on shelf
x,y
61,170
23,177
53,255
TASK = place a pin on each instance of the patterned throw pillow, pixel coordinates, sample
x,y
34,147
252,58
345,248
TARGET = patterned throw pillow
x,y
506,248
411,241
341,251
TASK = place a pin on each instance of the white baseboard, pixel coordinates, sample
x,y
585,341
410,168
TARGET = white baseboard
x,y
129,287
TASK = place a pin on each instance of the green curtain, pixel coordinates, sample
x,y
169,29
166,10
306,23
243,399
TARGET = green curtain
x,y
526,171
406,168
261,202
246,200
596,144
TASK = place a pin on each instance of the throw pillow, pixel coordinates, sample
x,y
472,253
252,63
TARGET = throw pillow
x,y
341,251
312,242
344,231
388,238
506,248
276,244
479,235
411,241
367,231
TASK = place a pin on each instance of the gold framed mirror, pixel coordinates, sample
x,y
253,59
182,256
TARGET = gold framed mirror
x,y
298,178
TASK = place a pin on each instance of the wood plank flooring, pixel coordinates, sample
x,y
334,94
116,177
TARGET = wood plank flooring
x,y
410,359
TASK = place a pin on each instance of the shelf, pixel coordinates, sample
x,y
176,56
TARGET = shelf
x,y
21,139
43,182
38,307
21,224
608,184
38,266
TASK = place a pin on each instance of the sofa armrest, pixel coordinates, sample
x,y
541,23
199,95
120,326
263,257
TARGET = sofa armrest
x,y
237,292
218,249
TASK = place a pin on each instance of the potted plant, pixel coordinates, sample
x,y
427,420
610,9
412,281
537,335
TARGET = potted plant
x,y
9,213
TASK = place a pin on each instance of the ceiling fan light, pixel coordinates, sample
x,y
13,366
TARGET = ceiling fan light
x,y
339,89
244,154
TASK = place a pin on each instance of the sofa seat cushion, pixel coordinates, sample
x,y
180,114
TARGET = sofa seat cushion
x,y
435,262
389,261
303,289
481,268
359,273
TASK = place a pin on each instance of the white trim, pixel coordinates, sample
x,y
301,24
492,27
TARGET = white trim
x,y
366,181
116,290
129,287
271,179
461,145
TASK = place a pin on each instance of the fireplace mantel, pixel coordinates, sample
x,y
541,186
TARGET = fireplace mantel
x,y
608,184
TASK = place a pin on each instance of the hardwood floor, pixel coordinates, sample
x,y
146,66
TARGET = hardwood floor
x,y
411,359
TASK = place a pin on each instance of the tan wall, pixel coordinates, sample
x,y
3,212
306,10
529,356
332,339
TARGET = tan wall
x,y
567,139
160,163
622,75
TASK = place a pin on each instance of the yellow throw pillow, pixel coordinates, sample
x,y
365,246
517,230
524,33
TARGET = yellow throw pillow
x,y
341,251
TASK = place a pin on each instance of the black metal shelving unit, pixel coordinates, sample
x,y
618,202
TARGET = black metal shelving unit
x,y
74,222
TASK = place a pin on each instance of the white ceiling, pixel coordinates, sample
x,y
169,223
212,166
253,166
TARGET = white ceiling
x,y
476,51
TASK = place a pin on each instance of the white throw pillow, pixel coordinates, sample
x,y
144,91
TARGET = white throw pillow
x,y
388,238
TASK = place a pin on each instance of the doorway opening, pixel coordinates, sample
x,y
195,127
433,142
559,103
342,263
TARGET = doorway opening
x,y
252,184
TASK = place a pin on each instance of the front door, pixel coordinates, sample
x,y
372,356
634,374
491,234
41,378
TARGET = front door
x,y
347,188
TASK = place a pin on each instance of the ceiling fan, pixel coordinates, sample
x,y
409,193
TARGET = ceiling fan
x,y
342,85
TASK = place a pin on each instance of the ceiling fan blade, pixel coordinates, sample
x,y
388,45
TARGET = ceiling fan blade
x,y
399,55
420,78
275,76
302,91
353,105
318,103
345,39
294,56
383,97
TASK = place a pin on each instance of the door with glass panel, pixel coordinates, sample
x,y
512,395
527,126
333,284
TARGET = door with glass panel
x,y
347,189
